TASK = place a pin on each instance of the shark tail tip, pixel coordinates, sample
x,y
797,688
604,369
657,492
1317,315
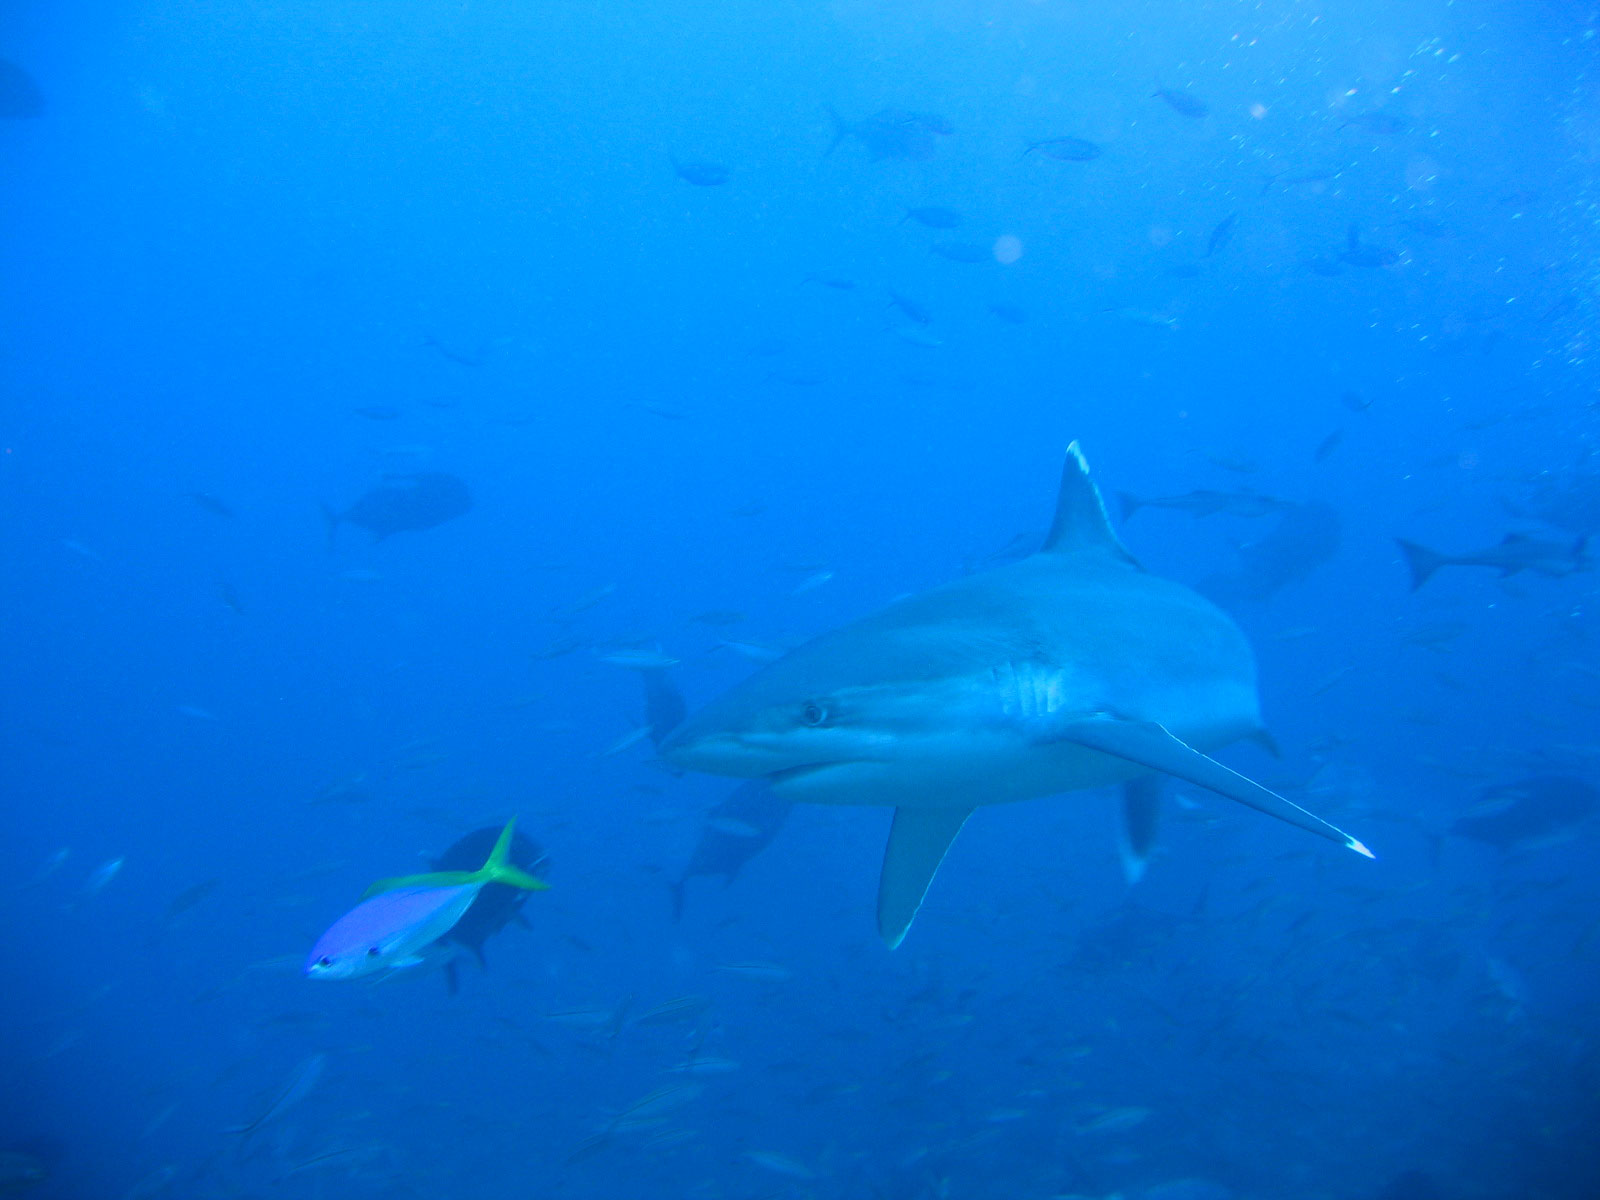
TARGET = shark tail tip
x,y
1421,561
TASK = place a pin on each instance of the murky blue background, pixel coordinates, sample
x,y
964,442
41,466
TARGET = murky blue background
x,y
257,256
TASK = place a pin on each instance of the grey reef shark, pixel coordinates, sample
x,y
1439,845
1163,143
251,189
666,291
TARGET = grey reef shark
x,y
1072,668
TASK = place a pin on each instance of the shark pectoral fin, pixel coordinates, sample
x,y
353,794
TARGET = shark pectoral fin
x,y
918,841
1151,745
1141,813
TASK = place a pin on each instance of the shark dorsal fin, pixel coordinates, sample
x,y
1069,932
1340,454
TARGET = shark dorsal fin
x,y
1081,522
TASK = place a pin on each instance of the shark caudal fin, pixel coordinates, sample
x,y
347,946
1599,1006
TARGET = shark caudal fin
x,y
918,842
1154,747
1080,521
498,869
1422,561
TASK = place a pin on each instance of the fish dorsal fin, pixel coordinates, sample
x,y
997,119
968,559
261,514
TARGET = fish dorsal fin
x,y
1081,522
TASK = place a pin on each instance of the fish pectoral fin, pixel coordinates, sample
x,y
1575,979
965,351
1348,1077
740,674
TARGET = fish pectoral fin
x,y
1141,815
1151,745
918,842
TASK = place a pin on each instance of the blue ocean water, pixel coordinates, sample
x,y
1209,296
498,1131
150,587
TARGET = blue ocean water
x,y
739,321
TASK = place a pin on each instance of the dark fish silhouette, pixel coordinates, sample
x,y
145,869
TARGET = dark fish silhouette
x,y
933,218
1515,814
1305,537
1221,235
19,94
403,503
1185,104
701,174
1065,149
892,133
497,905
734,832
1364,254
1514,553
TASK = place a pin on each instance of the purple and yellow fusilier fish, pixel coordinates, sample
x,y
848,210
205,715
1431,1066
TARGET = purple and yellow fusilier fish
x,y
399,919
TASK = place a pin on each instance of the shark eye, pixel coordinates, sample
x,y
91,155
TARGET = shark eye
x,y
813,713
324,961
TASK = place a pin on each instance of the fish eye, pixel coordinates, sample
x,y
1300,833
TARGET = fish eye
x,y
813,713
372,952
324,961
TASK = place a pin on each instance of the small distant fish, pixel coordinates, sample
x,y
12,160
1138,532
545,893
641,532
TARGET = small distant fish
x,y
196,713
812,582
706,1064
101,877
1185,104
1065,149
455,356
297,1088
910,309
962,252
933,217
1354,401
1112,1120
1141,316
780,1164
1327,446
584,602
80,549
1221,235
676,1011
190,896
701,174
212,504
377,412
639,660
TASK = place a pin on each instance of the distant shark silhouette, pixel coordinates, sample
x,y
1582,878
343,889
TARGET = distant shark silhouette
x,y
1073,668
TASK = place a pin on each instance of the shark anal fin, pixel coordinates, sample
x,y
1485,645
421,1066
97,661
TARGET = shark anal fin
x,y
918,841
1141,814
1151,745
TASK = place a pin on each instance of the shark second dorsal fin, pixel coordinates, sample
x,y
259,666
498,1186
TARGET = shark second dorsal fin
x,y
1081,522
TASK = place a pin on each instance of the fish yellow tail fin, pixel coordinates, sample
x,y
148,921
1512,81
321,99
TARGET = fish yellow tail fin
x,y
498,869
